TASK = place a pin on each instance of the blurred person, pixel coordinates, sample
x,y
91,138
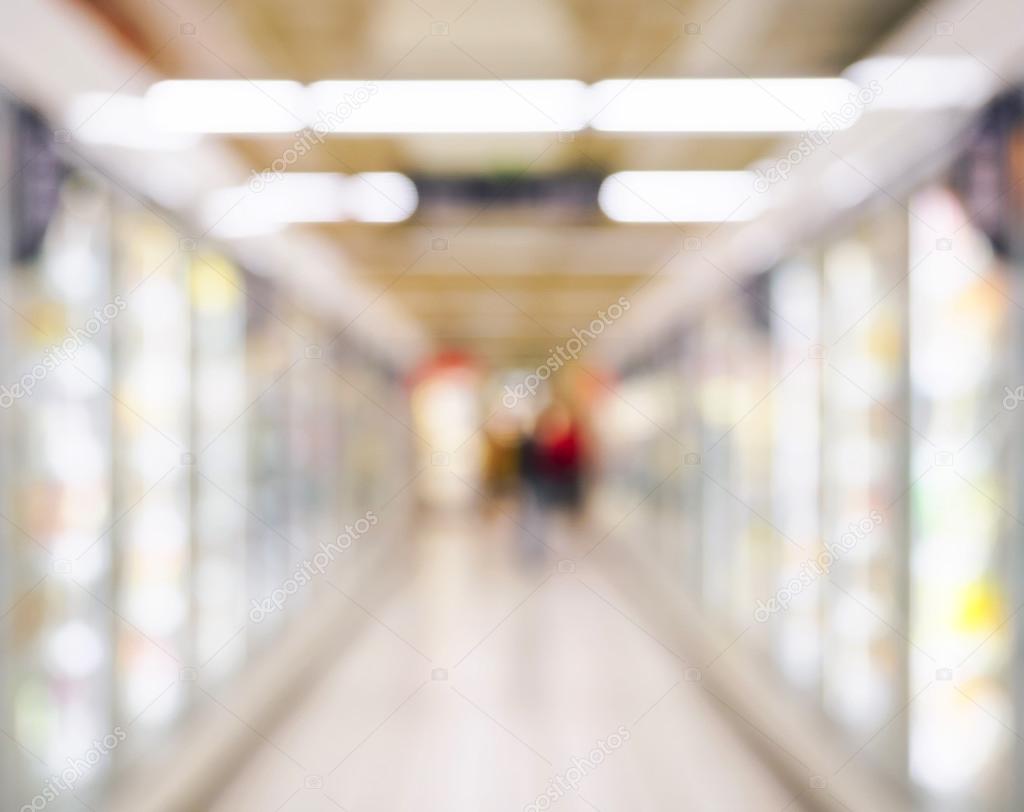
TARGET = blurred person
x,y
531,498
501,458
561,458
552,464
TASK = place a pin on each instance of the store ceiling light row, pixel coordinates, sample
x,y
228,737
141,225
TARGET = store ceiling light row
x,y
173,115
172,112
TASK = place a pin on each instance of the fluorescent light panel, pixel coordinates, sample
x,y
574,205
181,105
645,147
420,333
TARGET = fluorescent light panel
x,y
680,197
227,106
455,106
717,105
309,197
120,120
922,82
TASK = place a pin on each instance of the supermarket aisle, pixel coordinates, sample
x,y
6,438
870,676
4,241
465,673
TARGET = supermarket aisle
x,y
485,684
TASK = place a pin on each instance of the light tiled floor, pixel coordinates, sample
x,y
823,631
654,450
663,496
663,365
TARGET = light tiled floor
x,y
483,680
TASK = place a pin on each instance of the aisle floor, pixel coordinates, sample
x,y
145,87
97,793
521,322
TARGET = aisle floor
x,y
494,676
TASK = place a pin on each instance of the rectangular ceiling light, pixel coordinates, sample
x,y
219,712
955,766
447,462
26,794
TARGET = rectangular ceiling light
x,y
270,202
450,106
923,82
719,105
119,120
227,106
680,197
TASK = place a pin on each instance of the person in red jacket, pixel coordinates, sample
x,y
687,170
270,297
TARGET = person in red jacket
x,y
560,458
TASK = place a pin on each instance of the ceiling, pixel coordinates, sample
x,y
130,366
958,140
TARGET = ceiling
x,y
507,285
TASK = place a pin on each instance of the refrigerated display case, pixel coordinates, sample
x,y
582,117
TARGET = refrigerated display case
x,y
341,360
690,484
270,357
152,474
626,438
738,540
893,462
863,479
313,440
380,454
962,723
164,434
717,413
758,538
59,496
219,479
796,469
678,481
373,462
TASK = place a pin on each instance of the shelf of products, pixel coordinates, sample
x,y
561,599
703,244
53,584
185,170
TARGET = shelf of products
x,y
859,475
176,444
961,740
796,468
59,502
863,473
153,459
738,539
219,479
